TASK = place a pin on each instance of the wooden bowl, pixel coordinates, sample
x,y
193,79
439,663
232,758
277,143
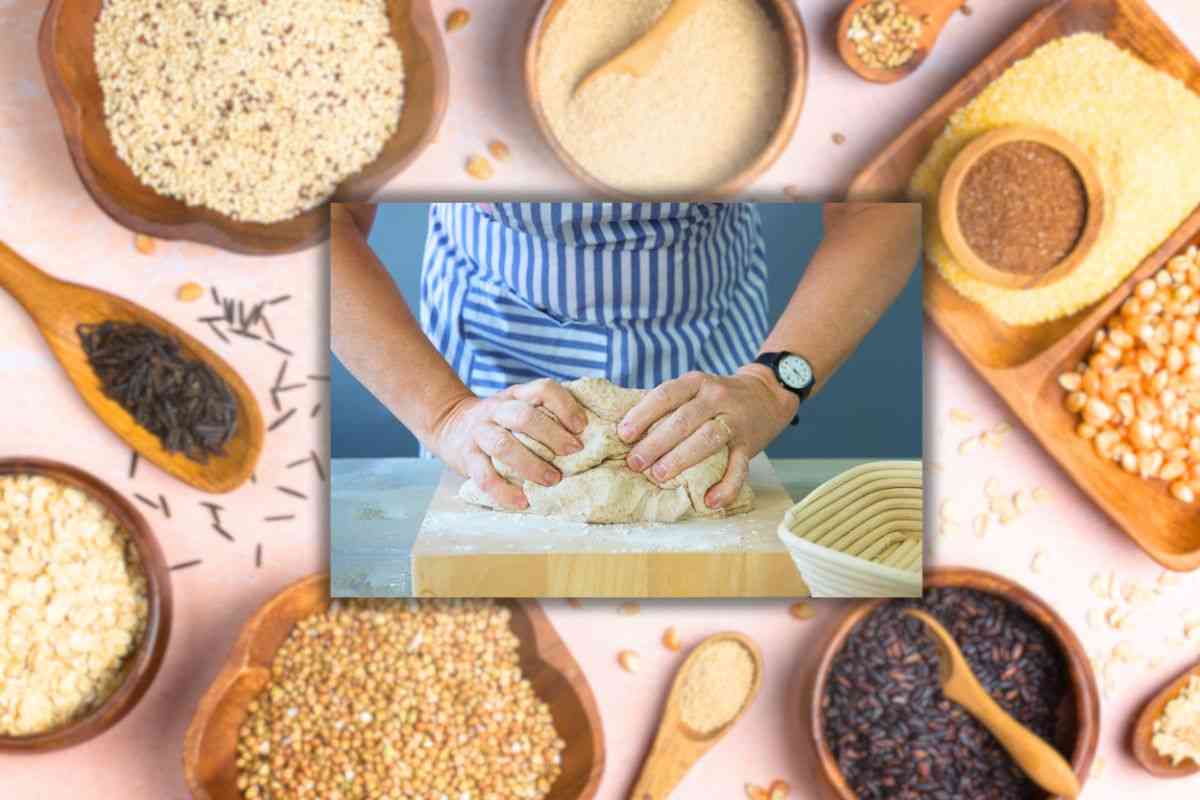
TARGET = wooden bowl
x,y
210,748
65,45
1141,740
142,665
1079,717
952,183
786,18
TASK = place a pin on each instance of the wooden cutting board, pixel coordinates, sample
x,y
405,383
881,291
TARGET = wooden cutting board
x,y
466,551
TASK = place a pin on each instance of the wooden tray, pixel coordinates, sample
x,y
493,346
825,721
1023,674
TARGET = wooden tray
x,y
1022,363
210,747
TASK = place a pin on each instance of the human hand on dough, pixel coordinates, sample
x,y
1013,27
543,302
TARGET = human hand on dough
x,y
697,415
476,429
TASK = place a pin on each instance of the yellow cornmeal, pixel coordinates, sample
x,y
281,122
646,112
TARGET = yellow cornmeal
x,y
1140,126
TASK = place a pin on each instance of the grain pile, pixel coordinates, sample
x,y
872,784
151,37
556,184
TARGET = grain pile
x,y
254,108
72,604
885,34
379,698
1177,731
716,686
1147,153
705,111
1138,392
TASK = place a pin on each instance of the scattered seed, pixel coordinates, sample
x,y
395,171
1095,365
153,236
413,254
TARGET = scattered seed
x,y
1039,562
793,193
133,463
670,639
801,610
779,790
1040,495
457,19
629,609
316,410
966,446
185,564
279,517
190,292
279,347
166,509
960,415
756,792
950,511
258,556
292,492
316,460
629,661
216,526
281,420
144,244
499,150
147,501
479,168
1099,586
839,138
1021,501
574,602
981,525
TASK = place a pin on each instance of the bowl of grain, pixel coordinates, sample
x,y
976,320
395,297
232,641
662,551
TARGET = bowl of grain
x,y
874,713
1021,207
715,111
88,602
233,123
394,698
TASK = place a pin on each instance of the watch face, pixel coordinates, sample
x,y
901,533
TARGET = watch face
x,y
795,372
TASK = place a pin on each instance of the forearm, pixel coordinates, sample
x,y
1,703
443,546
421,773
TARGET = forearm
x,y
863,263
376,336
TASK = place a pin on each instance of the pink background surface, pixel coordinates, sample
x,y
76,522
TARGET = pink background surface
x,y
48,218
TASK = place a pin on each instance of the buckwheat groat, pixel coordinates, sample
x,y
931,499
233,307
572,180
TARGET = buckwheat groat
x,y
257,109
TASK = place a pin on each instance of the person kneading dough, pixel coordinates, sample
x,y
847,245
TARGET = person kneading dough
x,y
609,362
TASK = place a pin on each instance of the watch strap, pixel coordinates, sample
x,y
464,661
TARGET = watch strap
x,y
771,362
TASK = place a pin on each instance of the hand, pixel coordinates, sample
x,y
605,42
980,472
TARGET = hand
x,y
361,214
700,414
476,430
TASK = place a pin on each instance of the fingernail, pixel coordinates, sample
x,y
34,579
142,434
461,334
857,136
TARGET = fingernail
x,y
636,463
624,432
578,424
550,477
575,446
659,472
523,502
713,501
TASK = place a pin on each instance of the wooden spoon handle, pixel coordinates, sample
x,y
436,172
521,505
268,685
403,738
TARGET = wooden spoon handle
x,y
1036,757
32,288
663,769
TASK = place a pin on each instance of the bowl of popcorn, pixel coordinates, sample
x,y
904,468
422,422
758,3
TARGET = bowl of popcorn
x,y
86,605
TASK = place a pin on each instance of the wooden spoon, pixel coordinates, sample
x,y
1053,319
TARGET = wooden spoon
x,y
932,13
640,57
677,747
1143,733
59,307
1038,759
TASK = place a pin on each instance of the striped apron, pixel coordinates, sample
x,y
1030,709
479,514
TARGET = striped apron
x,y
634,292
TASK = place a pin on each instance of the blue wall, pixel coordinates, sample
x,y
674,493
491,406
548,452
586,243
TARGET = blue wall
x,y
871,408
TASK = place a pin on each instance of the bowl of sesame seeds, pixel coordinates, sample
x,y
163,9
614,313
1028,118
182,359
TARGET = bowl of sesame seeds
x,y
86,600
375,698
234,122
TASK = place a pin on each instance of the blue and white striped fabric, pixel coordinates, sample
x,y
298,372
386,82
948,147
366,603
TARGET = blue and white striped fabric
x,y
634,292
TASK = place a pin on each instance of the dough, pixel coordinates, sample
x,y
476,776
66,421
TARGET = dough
x,y
596,484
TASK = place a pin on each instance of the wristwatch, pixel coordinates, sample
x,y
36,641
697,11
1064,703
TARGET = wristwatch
x,y
793,372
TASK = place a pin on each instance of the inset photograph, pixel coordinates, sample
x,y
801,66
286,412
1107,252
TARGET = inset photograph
x,y
626,400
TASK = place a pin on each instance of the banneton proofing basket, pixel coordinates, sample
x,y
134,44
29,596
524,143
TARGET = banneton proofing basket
x,y
860,533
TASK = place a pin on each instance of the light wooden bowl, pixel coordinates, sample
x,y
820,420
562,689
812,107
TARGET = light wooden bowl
x,y
952,183
1142,737
786,18
142,665
210,748
1079,716
65,46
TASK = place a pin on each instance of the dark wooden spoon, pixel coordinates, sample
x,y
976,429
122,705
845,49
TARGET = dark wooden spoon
x,y
59,307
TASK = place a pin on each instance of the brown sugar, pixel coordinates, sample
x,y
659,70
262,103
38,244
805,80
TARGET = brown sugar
x,y
1022,207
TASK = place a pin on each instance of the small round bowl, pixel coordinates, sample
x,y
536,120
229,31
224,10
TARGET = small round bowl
x,y
1079,716
142,665
786,17
65,46
952,183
